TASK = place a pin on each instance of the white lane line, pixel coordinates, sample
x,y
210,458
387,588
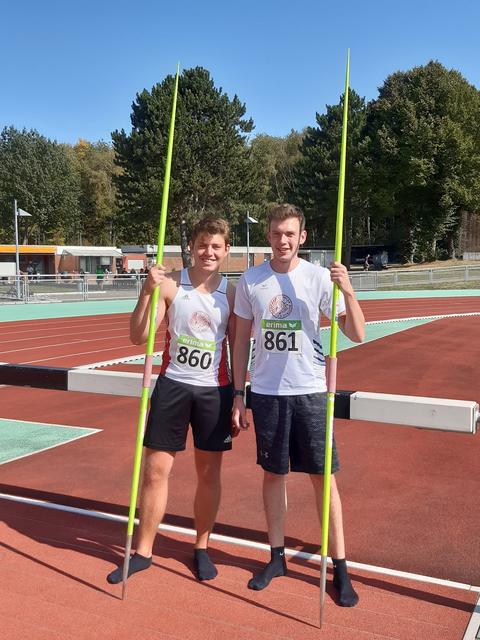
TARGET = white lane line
x,y
43,346
124,360
62,344
432,317
414,318
293,553
74,322
74,333
73,325
70,355
472,632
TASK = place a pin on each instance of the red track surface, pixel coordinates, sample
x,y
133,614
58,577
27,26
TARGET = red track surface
x,y
409,495
53,588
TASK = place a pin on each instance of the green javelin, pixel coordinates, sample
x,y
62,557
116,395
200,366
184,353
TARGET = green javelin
x,y
150,345
332,363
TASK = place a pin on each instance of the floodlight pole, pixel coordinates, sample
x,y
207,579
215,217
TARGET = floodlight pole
x,y
249,221
17,260
248,240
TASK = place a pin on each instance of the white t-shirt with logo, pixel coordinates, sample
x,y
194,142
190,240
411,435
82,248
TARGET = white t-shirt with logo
x,y
287,356
195,348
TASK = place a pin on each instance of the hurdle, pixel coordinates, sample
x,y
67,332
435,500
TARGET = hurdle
x,y
440,414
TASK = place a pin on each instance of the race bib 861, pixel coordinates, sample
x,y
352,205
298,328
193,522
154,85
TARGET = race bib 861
x,y
280,336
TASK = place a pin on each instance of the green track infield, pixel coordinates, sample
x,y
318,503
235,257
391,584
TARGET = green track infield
x,y
373,331
19,439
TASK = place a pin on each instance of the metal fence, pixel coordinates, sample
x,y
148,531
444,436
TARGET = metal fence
x,y
62,288
398,278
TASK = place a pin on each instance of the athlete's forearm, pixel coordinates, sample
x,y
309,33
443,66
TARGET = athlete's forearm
x,y
241,352
353,323
231,338
240,363
140,319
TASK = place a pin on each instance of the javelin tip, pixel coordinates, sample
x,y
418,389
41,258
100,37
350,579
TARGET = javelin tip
x,y
323,587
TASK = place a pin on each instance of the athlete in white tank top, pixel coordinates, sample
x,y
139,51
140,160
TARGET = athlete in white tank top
x,y
196,304
195,350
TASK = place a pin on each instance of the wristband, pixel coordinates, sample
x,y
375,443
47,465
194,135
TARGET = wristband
x,y
239,392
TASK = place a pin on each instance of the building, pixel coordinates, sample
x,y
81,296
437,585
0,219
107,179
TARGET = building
x,y
51,259
41,257
87,259
138,256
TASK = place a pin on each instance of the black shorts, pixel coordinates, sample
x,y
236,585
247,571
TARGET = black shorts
x,y
175,405
290,432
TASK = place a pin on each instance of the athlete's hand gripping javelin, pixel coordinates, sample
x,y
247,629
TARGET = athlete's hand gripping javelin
x,y
155,278
352,322
339,275
139,321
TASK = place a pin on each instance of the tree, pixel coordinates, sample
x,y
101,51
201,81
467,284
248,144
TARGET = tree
x,y
39,174
212,170
276,157
424,156
96,167
272,161
316,173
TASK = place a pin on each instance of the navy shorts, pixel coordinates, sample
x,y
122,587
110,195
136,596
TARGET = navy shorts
x,y
175,405
290,433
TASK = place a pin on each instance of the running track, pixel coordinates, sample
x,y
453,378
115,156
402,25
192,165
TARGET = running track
x,y
409,495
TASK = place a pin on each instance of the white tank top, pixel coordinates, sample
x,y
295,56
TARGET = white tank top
x,y
195,349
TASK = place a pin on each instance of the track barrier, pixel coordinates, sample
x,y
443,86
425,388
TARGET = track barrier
x,y
440,414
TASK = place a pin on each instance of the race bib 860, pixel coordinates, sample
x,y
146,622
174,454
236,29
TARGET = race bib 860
x,y
195,353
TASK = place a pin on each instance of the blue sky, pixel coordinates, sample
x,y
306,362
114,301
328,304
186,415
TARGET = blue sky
x,y
71,70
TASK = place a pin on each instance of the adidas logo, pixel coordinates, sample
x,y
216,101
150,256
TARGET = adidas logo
x,y
186,297
227,439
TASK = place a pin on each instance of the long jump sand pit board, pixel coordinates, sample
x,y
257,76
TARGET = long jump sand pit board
x,y
19,439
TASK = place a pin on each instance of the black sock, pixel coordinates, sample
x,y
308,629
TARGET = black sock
x,y
275,568
204,567
347,596
137,563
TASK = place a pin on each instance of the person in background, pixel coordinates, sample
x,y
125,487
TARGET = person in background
x,y
100,276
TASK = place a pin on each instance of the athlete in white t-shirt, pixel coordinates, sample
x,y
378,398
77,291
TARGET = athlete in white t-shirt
x,y
280,303
193,388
